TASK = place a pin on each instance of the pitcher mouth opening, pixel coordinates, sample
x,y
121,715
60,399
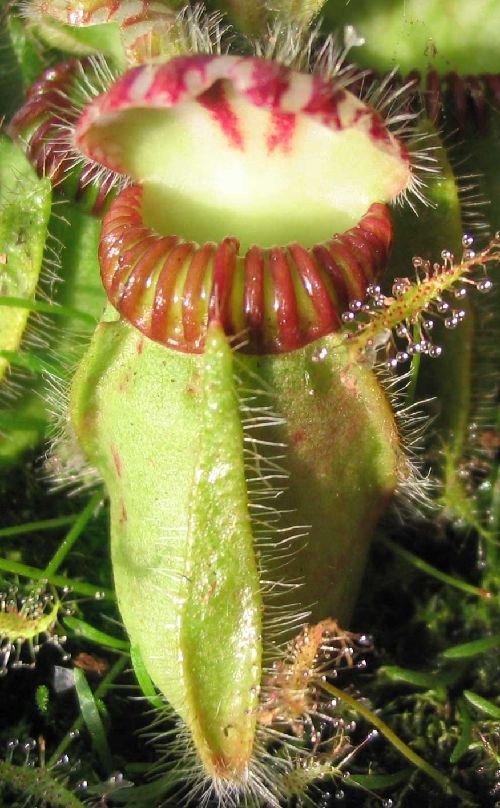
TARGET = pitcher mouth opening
x,y
256,194
260,199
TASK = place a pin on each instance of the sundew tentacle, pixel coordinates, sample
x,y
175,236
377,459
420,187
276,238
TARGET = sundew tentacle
x,y
291,690
26,621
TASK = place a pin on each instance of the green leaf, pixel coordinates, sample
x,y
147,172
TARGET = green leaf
x,y
482,704
88,632
429,681
74,307
472,649
91,716
144,679
34,527
85,41
466,732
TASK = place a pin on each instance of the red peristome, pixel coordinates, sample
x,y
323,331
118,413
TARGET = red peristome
x,y
194,292
223,272
165,293
48,105
253,292
264,83
287,333
332,268
326,314
273,301
44,125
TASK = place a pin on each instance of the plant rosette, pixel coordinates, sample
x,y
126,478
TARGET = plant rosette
x,y
228,398
246,455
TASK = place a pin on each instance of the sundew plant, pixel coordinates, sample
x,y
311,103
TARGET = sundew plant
x,y
249,425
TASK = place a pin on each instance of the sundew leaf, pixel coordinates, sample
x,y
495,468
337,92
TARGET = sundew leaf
x,y
36,783
437,227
